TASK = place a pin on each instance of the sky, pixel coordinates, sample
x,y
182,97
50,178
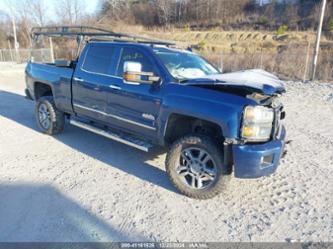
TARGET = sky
x,y
90,6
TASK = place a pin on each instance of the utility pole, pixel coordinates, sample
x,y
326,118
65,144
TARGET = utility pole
x,y
320,27
12,17
16,45
261,3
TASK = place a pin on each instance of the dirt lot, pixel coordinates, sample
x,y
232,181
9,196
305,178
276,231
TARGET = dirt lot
x,y
79,186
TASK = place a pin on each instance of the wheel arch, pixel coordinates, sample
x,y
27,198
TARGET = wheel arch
x,y
42,89
178,125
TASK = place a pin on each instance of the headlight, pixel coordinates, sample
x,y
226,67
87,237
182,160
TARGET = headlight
x,y
257,123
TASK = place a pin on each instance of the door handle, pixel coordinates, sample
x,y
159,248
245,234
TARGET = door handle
x,y
78,79
115,87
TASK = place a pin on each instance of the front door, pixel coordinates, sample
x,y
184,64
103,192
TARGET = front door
x,y
135,105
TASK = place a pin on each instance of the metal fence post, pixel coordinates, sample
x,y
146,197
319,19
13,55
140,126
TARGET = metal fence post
x,y
42,50
10,51
306,62
51,50
221,65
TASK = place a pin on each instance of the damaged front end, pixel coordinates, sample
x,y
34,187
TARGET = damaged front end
x,y
261,141
242,83
258,85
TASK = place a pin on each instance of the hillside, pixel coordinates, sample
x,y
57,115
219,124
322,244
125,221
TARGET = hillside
x,y
240,41
289,54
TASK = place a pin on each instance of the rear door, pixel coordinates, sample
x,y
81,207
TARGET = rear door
x,y
91,80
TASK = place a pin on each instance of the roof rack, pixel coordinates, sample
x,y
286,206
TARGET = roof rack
x,y
80,32
163,43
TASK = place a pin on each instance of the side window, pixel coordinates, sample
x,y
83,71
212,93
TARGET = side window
x,y
135,55
98,58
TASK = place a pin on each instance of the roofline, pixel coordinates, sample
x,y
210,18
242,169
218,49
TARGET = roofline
x,y
162,43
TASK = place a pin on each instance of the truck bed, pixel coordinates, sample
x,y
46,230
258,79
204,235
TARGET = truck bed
x,y
58,78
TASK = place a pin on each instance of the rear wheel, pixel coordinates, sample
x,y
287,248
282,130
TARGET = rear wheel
x,y
49,119
195,166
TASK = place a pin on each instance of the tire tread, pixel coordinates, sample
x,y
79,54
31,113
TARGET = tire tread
x,y
57,117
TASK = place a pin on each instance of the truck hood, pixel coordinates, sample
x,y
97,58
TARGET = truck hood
x,y
254,80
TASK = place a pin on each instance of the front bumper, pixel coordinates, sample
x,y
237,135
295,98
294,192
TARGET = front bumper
x,y
256,160
27,94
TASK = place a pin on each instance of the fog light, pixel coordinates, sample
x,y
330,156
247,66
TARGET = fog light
x,y
267,161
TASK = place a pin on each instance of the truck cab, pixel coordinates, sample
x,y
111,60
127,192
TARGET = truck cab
x,y
147,94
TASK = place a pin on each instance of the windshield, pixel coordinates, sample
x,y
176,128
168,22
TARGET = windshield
x,y
185,65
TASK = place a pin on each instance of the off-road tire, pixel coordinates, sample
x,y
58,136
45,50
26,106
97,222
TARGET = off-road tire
x,y
215,151
57,117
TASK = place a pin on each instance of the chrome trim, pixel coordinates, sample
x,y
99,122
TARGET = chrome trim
x,y
78,79
107,75
115,87
89,109
230,141
115,116
148,116
108,135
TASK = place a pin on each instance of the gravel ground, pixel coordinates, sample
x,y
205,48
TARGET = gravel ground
x,y
78,186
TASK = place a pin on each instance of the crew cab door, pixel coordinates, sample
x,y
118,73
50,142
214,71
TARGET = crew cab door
x,y
92,79
135,105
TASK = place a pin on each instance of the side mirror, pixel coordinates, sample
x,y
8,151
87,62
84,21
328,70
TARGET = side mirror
x,y
133,73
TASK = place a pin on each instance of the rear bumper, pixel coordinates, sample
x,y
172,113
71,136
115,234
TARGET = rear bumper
x,y
253,161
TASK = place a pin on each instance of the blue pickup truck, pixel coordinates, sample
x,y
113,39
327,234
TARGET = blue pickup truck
x,y
147,93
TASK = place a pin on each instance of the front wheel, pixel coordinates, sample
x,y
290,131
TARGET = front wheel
x,y
195,166
49,119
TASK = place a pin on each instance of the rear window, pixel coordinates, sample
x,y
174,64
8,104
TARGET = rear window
x,y
98,59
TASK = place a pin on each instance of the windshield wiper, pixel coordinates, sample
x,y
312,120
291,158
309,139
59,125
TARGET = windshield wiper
x,y
183,80
215,81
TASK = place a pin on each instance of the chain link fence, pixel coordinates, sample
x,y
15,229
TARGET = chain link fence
x,y
44,55
23,55
288,65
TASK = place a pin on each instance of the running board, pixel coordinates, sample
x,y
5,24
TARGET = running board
x,y
119,137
